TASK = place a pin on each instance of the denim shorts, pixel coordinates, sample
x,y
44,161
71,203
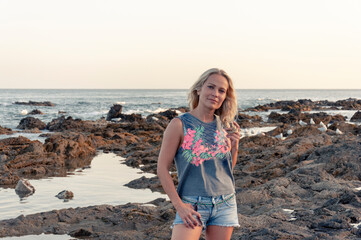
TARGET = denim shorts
x,y
220,210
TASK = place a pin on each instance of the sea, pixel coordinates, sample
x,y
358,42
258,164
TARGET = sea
x,y
103,181
92,104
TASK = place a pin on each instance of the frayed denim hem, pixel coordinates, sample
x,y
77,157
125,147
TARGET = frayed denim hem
x,y
225,225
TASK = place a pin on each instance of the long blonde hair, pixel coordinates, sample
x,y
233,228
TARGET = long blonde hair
x,y
228,109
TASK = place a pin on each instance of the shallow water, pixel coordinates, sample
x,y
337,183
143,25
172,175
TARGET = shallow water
x,y
41,237
31,136
102,183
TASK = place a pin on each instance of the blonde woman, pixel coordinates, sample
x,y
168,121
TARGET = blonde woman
x,y
205,153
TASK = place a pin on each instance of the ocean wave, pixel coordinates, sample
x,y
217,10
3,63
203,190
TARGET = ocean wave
x,y
158,110
133,111
24,112
145,111
6,104
120,103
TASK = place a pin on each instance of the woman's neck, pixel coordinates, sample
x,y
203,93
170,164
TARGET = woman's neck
x,y
203,114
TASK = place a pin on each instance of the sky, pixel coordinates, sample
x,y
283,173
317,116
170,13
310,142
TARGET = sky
x,y
116,44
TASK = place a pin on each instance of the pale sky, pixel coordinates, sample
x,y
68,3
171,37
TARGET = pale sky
x,y
120,44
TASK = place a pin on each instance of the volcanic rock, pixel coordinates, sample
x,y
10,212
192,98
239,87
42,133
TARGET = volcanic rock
x,y
31,122
35,112
33,103
131,118
303,187
349,104
114,112
24,188
295,116
75,125
6,131
70,146
247,121
356,117
65,194
307,105
346,128
60,153
129,221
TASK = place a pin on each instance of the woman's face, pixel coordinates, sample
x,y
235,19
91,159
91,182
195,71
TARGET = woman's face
x,y
213,92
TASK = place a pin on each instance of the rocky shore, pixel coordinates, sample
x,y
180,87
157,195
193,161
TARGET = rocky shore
x,y
303,184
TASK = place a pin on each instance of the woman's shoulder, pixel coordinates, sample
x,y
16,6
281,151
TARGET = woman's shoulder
x,y
175,125
175,121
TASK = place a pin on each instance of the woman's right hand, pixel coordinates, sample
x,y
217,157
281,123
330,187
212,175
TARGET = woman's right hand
x,y
186,213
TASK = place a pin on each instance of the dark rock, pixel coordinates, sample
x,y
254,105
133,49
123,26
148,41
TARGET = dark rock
x,y
169,114
31,122
247,121
162,118
358,233
346,128
305,131
131,118
307,105
356,117
159,202
70,146
181,109
35,112
144,182
255,118
294,116
114,112
334,224
278,130
21,157
6,131
33,103
80,233
349,104
63,123
129,221
24,188
65,194
75,125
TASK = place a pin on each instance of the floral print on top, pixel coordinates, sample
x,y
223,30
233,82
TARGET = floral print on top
x,y
196,151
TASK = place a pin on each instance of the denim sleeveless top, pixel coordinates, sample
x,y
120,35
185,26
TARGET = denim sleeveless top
x,y
204,163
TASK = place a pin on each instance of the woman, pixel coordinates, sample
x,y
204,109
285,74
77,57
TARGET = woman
x,y
205,155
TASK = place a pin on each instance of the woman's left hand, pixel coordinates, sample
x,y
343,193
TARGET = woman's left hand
x,y
234,137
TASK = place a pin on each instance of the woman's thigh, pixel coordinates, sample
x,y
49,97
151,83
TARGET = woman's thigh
x,y
181,232
214,232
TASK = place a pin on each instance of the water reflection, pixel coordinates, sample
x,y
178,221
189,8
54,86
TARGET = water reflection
x,y
102,183
40,237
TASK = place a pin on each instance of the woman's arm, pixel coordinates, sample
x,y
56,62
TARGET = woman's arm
x,y
171,141
234,138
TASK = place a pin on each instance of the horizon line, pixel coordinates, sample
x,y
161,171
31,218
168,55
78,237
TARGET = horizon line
x,y
176,89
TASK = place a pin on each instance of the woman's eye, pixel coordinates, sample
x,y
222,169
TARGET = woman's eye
x,y
210,87
222,91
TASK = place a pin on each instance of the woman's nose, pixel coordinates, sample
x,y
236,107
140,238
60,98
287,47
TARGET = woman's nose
x,y
215,92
